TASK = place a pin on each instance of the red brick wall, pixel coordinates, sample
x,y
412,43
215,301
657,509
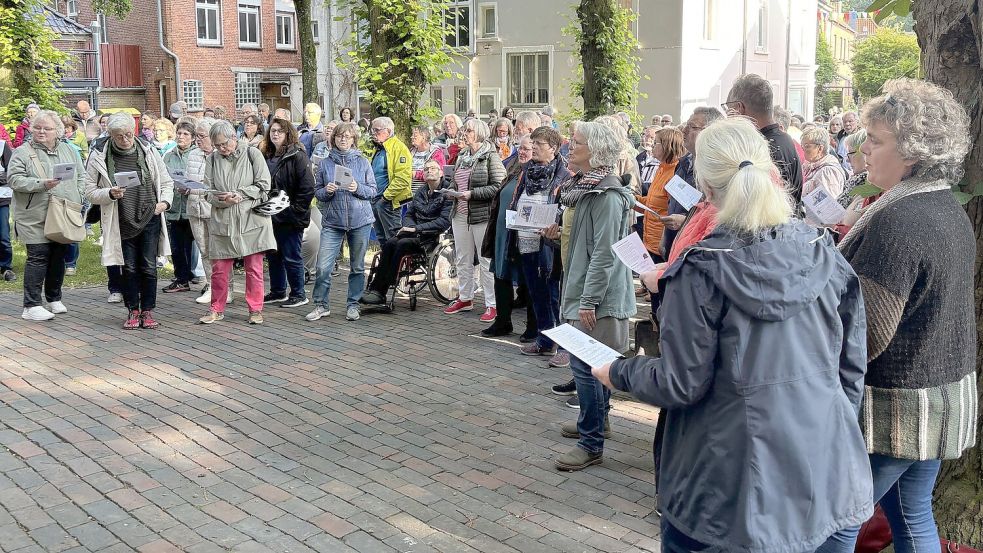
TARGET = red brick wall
x,y
211,64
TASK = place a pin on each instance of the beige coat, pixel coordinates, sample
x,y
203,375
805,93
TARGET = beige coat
x,y
97,185
30,201
234,230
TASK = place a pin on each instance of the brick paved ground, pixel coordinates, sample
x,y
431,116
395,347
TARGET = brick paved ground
x,y
298,436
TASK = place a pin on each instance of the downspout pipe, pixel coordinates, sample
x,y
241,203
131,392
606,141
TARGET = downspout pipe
x,y
178,88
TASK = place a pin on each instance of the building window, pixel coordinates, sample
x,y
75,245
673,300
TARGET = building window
x,y
459,23
316,31
285,31
194,94
529,78
209,22
71,8
461,100
709,20
249,28
246,89
489,21
103,28
437,97
486,103
762,44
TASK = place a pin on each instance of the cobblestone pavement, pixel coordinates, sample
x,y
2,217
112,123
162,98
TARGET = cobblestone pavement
x,y
399,432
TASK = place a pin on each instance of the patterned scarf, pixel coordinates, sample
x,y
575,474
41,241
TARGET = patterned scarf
x,y
576,186
908,187
466,159
539,176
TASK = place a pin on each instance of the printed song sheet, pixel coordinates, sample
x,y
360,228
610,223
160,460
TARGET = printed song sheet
x,y
533,216
582,346
128,179
632,253
63,171
686,195
822,206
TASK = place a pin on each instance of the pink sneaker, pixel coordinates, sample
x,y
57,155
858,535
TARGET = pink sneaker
x,y
459,306
132,321
489,315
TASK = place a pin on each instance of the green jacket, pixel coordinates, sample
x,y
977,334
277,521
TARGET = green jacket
x,y
593,277
399,164
29,165
234,230
176,160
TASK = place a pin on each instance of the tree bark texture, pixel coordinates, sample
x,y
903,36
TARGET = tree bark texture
x,y
308,51
949,34
589,13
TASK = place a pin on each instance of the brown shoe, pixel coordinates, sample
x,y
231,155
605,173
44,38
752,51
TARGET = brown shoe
x,y
569,429
213,316
255,317
578,459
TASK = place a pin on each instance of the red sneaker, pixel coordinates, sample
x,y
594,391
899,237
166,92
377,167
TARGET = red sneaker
x,y
458,306
489,315
132,321
147,320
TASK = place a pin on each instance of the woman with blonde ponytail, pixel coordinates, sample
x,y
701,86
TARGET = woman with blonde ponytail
x,y
763,342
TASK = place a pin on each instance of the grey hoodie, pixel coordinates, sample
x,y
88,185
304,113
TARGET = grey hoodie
x,y
764,353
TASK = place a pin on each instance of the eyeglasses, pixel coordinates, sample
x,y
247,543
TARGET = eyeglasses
x,y
128,136
727,106
223,144
377,131
540,144
277,131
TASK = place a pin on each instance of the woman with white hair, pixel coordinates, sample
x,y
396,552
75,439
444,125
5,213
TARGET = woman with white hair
x,y
821,168
763,354
478,175
626,164
198,208
29,174
449,138
597,295
920,401
238,180
133,228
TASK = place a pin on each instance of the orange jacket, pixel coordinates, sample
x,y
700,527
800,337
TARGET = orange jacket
x,y
657,199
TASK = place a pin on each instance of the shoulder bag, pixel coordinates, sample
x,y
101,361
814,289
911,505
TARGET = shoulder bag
x,y
63,222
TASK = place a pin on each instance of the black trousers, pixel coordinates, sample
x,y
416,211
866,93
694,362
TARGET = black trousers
x,y
140,267
45,268
392,251
182,244
504,300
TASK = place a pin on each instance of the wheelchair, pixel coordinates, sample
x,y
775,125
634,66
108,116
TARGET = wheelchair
x,y
433,269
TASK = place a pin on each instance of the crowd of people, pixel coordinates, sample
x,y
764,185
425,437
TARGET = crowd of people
x,y
805,369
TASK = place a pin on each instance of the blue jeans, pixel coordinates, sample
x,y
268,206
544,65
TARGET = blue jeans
x,y
544,292
6,251
115,274
287,263
904,490
595,402
71,255
387,220
331,241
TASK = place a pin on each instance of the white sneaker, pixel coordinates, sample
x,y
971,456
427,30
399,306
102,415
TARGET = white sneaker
x,y
115,297
352,314
37,313
58,307
206,296
319,311
229,298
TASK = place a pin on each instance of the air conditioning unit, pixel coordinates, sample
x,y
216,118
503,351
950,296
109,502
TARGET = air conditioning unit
x,y
285,90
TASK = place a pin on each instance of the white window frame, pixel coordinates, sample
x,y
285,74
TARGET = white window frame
x,y
71,8
495,93
488,11
710,28
457,5
250,8
761,39
439,103
467,103
193,93
208,6
551,58
316,31
246,90
292,21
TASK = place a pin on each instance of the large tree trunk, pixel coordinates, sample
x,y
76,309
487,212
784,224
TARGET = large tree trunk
x,y
308,52
949,36
589,13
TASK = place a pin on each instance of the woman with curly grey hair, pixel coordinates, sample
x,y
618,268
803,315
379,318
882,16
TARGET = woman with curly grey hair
x,y
920,399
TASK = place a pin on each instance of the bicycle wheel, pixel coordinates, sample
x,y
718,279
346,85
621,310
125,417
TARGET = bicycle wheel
x,y
443,274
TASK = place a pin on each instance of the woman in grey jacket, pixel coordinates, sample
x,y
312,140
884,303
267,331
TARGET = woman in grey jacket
x,y
763,341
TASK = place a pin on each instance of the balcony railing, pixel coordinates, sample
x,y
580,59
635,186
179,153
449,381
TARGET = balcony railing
x,y
81,71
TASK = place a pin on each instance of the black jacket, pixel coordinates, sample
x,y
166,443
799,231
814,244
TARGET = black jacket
x,y
786,159
292,174
429,213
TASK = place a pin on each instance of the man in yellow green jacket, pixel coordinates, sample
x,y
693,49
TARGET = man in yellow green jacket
x,y
392,165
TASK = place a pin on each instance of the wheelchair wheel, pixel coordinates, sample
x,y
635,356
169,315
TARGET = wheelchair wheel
x,y
412,276
443,274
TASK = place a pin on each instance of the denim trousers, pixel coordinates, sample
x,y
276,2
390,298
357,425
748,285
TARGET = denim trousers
x,y
595,402
903,487
115,276
393,250
330,248
286,263
387,220
71,254
45,268
140,267
6,250
182,242
544,292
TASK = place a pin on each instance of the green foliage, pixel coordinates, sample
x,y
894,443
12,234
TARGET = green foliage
x,y
30,58
116,8
401,52
887,54
891,13
825,75
610,39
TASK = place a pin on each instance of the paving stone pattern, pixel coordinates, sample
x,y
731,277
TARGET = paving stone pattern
x,y
399,432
